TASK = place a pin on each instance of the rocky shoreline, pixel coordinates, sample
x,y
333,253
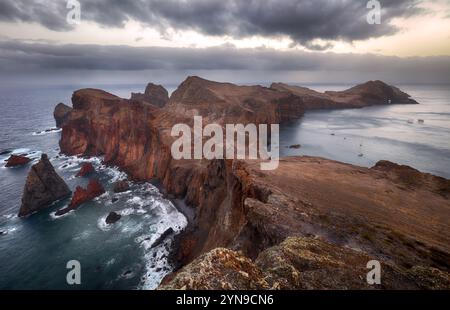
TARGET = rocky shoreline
x,y
392,213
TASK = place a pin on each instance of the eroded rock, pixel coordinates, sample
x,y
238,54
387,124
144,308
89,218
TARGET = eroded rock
x,y
42,188
86,170
81,195
154,94
17,160
61,114
112,218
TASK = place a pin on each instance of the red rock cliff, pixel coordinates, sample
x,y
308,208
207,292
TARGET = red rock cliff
x,y
241,207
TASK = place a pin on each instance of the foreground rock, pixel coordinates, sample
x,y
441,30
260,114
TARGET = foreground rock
x,y
367,94
61,114
298,263
42,188
154,94
17,160
220,269
112,218
81,195
86,170
121,186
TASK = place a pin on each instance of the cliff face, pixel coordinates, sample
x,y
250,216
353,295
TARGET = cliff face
x,y
379,211
367,94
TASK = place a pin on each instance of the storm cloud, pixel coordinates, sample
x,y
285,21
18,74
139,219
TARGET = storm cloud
x,y
303,21
19,57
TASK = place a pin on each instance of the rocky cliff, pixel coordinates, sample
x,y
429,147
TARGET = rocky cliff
x,y
367,94
378,211
43,187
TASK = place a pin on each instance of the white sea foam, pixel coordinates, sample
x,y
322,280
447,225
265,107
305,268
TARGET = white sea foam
x,y
126,212
101,223
45,132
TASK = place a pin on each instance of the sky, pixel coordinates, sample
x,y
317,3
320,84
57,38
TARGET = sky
x,y
242,41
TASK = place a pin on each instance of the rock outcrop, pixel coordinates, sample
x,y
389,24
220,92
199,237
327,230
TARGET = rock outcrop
x,y
121,186
81,195
298,263
42,188
86,170
367,94
227,103
17,160
61,114
154,94
112,218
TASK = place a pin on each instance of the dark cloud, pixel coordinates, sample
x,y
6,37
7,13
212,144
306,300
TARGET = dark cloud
x,y
301,20
34,58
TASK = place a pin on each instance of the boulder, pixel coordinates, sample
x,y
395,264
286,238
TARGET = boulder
x,y
61,114
219,269
163,237
121,186
81,195
42,188
112,218
17,160
86,169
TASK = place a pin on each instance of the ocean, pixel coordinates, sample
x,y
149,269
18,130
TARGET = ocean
x,y
34,251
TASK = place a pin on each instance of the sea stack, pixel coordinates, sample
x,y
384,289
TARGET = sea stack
x,y
81,195
43,187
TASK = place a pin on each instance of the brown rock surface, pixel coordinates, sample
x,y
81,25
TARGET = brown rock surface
x,y
81,195
298,263
220,269
43,187
154,94
86,169
367,94
112,218
17,160
227,103
61,114
121,186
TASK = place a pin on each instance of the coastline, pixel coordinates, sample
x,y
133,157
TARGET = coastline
x,y
229,204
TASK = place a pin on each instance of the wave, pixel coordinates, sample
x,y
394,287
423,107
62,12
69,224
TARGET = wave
x,y
46,131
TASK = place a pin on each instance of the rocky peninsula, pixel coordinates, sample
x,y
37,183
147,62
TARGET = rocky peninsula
x,y
292,226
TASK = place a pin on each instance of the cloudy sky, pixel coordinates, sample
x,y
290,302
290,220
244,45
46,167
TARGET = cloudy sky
x,y
244,41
